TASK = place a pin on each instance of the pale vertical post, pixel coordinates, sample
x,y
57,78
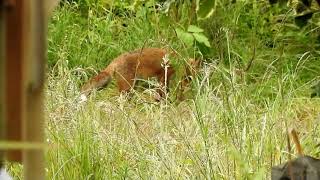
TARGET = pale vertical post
x,y
35,54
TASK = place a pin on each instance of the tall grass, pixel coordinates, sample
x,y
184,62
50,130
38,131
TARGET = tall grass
x,y
233,126
229,133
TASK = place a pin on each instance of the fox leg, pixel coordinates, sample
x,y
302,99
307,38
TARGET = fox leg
x,y
161,91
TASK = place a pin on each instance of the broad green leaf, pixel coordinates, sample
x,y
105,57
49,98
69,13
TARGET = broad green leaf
x,y
205,8
194,29
201,38
186,37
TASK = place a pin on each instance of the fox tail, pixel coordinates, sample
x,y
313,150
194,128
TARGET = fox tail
x,y
97,82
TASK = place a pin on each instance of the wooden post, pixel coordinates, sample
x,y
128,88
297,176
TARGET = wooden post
x,y
2,58
22,59
13,76
33,159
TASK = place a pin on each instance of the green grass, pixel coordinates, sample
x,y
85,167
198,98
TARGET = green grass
x,y
231,127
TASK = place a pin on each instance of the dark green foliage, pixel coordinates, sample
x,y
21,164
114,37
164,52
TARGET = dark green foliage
x,y
302,20
316,90
306,2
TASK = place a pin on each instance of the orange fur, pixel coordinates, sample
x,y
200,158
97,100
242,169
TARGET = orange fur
x,y
141,63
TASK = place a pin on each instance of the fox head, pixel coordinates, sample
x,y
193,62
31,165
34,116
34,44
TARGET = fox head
x,y
97,82
192,68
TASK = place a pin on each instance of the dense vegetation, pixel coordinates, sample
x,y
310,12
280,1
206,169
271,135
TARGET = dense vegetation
x,y
255,83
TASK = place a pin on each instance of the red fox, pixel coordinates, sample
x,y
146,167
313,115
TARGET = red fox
x,y
142,63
